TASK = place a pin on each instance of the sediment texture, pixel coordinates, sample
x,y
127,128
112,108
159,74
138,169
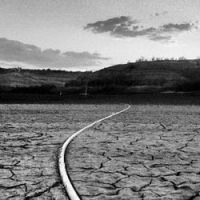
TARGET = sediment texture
x,y
30,137
149,152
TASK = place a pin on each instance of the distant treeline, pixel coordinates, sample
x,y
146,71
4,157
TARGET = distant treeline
x,y
41,71
139,77
143,76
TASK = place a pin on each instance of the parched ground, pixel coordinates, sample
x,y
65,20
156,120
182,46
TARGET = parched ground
x,y
30,136
149,153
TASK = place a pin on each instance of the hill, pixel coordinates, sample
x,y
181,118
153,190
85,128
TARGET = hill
x,y
147,76
161,76
17,77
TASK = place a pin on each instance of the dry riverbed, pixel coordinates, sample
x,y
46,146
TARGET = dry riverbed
x,y
149,152
30,136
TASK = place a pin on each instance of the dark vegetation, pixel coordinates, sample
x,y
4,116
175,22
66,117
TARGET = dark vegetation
x,y
155,98
141,77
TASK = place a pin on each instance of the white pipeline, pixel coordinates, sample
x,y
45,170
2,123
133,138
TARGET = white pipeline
x,y
62,165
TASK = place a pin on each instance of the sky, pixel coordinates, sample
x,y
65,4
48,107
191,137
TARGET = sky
x,y
93,34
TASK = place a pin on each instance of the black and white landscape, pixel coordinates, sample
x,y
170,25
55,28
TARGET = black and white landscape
x,y
99,100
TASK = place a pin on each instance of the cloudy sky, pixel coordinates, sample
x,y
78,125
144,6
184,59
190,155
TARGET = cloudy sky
x,y
91,34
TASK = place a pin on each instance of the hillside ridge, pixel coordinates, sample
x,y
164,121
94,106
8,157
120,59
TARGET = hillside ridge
x,y
137,77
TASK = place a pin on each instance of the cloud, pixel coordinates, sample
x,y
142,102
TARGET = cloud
x,y
111,25
177,27
157,14
163,38
124,26
15,51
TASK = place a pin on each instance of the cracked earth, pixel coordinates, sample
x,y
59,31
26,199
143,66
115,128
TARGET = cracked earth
x,y
30,136
149,152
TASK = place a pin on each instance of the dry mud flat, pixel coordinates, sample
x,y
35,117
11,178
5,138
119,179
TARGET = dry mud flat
x,y
30,136
149,152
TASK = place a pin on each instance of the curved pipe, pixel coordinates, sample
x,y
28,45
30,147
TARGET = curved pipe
x,y
62,167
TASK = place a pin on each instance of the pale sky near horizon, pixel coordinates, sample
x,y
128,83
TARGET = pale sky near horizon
x,y
91,34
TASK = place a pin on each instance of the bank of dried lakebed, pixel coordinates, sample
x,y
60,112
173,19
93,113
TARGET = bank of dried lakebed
x,y
30,138
150,152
